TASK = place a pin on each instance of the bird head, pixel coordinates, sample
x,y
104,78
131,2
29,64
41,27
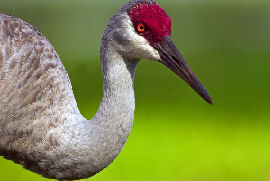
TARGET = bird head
x,y
141,29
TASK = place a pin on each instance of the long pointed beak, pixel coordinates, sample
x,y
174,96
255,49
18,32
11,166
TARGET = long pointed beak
x,y
172,58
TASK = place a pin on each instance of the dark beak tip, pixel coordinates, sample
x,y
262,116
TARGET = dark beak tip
x,y
209,100
206,96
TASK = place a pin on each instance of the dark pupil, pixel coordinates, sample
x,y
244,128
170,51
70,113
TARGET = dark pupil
x,y
141,27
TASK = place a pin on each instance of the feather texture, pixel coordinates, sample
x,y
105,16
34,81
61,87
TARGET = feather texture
x,y
36,95
40,124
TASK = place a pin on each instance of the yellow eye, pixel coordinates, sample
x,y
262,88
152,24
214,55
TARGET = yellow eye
x,y
141,27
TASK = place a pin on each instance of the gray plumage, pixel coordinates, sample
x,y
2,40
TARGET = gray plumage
x,y
40,124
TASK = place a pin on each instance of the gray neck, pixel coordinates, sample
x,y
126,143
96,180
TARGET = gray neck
x,y
96,143
109,129
118,103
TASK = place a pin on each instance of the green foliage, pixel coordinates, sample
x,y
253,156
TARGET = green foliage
x,y
176,135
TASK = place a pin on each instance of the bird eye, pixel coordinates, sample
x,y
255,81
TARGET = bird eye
x,y
141,27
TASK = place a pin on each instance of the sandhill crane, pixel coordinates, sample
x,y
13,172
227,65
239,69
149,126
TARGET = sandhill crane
x,y
40,124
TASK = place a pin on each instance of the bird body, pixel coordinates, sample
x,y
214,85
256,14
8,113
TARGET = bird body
x,y
40,124
39,112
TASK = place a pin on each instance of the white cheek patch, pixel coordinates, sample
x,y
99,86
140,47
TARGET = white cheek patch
x,y
139,47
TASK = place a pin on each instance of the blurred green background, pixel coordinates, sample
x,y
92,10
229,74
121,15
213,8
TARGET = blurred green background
x,y
176,136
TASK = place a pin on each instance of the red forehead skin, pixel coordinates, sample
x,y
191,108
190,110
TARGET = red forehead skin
x,y
155,18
